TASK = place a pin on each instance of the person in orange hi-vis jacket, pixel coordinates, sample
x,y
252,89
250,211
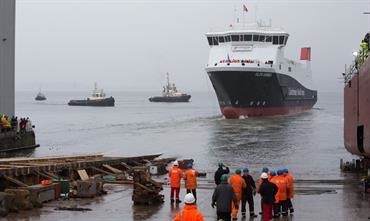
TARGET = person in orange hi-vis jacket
x,y
175,175
190,211
290,180
282,194
276,206
190,177
4,124
238,183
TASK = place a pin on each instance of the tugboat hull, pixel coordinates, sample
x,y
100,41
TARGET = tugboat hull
x,y
106,102
40,98
184,98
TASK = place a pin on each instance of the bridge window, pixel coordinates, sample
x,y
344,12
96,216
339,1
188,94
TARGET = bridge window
x,y
221,39
227,38
268,39
210,42
262,38
247,37
215,40
255,37
275,40
281,40
235,37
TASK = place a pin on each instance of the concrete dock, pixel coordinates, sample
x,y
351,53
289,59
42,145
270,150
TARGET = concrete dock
x,y
314,200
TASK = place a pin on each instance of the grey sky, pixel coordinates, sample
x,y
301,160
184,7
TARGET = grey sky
x,y
130,45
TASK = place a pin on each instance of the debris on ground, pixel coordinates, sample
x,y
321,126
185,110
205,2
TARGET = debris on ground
x,y
146,190
73,208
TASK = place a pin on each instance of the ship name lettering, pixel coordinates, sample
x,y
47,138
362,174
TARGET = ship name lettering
x,y
260,74
296,92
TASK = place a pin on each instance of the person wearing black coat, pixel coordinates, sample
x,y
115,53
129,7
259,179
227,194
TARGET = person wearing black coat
x,y
247,194
267,190
221,171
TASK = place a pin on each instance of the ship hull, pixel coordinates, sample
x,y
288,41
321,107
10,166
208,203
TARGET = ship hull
x,y
184,98
13,141
356,112
253,94
106,102
40,98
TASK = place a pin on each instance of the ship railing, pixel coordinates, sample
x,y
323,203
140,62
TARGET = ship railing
x,y
356,65
350,72
249,27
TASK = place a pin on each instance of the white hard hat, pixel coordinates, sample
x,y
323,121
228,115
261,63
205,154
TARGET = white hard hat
x,y
264,176
175,163
189,198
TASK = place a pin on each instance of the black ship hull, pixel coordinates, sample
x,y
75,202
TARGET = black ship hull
x,y
38,98
106,102
183,98
252,94
12,141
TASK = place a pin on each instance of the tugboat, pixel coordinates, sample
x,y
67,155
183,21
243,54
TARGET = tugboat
x,y
40,97
170,94
97,99
251,75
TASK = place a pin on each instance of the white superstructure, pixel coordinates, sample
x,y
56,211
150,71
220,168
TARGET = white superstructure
x,y
97,94
255,48
170,89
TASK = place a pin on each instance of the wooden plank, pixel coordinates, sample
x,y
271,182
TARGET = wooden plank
x,y
83,174
147,161
13,166
43,174
48,175
103,171
144,187
30,164
120,182
19,183
51,174
51,158
126,166
112,169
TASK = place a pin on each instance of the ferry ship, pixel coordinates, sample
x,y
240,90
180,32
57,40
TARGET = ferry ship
x,y
357,103
251,76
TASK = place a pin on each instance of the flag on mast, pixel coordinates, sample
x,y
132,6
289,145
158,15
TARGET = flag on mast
x,y
245,8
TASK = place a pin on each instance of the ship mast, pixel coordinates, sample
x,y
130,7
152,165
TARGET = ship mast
x,y
168,79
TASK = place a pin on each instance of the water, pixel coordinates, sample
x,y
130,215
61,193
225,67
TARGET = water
x,y
310,143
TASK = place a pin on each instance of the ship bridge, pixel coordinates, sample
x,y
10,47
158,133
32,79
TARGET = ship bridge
x,y
248,35
251,45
